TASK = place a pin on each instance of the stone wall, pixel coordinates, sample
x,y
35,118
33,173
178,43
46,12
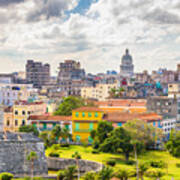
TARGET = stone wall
x,y
13,157
84,165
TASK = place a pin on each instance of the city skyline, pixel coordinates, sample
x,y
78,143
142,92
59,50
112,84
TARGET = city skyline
x,y
92,32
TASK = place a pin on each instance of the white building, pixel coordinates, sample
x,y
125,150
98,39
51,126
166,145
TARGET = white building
x,y
14,92
100,92
168,124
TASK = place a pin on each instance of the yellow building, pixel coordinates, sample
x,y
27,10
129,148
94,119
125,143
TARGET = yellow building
x,y
100,92
84,120
22,110
8,124
174,90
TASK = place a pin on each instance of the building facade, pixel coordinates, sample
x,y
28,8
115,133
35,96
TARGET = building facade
x,y
99,92
37,73
84,120
127,67
71,77
20,113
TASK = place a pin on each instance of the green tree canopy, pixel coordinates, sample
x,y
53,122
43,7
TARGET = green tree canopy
x,y
119,139
29,129
68,104
173,145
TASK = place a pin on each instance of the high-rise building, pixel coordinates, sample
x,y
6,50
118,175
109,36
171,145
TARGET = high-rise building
x,y
127,67
71,77
37,73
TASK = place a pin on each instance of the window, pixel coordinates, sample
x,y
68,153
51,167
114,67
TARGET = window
x,y
23,122
29,112
44,126
23,112
16,122
90,126
54,124
90,140
154,123
16,112
83,114
78,138
96,114
67,126
8,123
76,126
89,114
77,114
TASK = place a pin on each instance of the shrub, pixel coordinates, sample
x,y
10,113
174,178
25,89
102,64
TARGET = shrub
x,y
95,151
130,162
53,154
157,164
111,162
56,146
6,176
178,165
60,175
65,145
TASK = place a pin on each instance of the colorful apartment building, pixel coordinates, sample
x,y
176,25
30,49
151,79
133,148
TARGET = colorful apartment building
x,y
48,122
123,105
20,114
84,120
120,118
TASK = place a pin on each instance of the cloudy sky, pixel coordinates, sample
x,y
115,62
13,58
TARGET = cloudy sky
x,y
95,32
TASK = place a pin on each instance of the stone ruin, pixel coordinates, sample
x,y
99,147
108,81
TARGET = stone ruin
x,y
14,149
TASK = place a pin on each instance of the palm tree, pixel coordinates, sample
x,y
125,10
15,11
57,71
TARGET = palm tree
x,y
32,157
143,167
124,174
89,176
70,173
105,174
112,93
65,134
158,174
77,156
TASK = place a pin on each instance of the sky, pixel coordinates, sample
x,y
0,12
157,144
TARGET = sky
x,y
94,32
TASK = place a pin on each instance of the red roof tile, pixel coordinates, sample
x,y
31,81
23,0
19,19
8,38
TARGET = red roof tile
x,y
53,118
89,109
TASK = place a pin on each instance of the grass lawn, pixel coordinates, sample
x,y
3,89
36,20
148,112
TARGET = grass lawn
x,y
86,153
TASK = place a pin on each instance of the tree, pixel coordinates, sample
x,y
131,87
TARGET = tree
x,y
77,156
155,174
32,157
143,167
173,145
141,134
105,174
68,104
29,129
56,133
118,139
103,130
113,93
70,173
65,134
124,174
89,176
45,136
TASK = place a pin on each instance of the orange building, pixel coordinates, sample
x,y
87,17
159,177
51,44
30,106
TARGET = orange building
x,y
123,105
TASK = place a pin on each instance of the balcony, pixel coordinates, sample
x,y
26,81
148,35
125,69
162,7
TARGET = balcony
x,y
82,130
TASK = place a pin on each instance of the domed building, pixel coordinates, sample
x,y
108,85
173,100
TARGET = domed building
x,y
127,67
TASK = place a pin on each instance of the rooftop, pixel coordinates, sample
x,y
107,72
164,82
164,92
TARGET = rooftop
x,y
88,109
123,117
50,118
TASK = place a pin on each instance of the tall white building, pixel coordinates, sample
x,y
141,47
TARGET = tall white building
x,y
127,67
